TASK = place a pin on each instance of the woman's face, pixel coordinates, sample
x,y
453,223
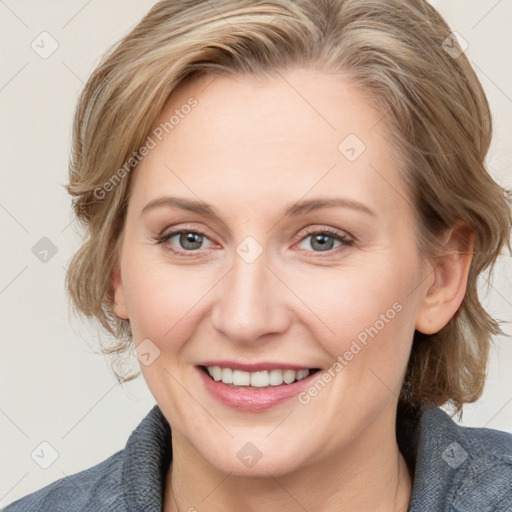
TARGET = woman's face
x,y
304,257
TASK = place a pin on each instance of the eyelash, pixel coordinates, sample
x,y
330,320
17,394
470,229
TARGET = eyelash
x,y
346,241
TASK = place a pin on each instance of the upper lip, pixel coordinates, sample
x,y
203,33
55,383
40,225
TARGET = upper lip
x,y
255,367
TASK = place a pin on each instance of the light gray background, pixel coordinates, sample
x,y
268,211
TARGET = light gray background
x,y
53,387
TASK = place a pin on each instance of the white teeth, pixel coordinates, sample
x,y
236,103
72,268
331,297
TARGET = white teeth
x,y
302,374
260,379
241,378
276,377
227,375
216,373
289,376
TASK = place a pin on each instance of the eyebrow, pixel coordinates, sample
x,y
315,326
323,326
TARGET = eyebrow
x,y
301,207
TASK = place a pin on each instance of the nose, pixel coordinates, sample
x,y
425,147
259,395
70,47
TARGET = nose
x,y
251,303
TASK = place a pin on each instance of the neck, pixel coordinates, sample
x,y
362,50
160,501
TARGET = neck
x,y
369,475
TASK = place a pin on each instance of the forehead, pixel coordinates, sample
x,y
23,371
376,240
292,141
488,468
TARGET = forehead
x,y
298,133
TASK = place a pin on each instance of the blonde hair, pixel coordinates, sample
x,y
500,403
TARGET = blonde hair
x,y
394,50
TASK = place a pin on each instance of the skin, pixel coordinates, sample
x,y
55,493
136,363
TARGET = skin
x,y
251,148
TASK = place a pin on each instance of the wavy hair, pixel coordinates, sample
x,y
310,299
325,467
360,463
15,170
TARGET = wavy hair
x,y
399,52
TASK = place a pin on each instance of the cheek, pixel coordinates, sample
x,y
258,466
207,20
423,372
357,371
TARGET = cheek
x,y
166,302
347,300
363,317
162,299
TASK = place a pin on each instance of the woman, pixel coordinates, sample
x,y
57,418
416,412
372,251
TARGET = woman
x,y
287,212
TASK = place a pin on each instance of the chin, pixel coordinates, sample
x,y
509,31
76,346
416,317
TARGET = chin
x,y
258,459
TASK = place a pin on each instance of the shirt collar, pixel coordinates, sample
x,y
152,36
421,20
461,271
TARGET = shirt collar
x,y
445,457
148,454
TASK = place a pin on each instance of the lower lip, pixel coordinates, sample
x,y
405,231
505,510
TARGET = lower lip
x,y
256,399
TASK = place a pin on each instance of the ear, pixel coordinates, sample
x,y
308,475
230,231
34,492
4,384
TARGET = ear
x,y
119,301
445,291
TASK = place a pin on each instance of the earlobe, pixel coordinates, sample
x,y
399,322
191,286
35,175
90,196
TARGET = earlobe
x,y
445,292
119,301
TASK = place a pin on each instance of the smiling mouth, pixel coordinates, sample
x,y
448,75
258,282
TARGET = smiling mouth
x,y
253,380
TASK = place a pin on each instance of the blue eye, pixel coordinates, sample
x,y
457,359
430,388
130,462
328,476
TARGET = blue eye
x,y
189,242
325,240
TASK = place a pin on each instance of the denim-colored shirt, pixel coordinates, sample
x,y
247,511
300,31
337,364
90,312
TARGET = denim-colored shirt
x,y
456,469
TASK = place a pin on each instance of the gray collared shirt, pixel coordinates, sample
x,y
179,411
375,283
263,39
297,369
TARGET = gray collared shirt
x,y
457,469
